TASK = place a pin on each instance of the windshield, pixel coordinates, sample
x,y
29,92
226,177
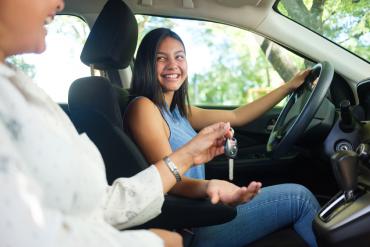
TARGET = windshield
x,y
345,22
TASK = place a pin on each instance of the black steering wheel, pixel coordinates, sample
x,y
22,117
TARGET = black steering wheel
x,y
300,109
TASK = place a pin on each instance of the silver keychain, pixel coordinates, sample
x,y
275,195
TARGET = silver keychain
x,y
231,150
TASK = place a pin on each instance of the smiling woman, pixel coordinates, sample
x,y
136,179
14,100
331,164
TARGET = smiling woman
x,y
160,107
171,64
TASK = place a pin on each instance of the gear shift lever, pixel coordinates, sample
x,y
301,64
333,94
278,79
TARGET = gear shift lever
x,y
344,165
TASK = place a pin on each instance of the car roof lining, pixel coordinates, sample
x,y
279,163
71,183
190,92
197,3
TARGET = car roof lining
x,y
243,13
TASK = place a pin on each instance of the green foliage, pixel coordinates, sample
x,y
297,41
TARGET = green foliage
x,y
238,70
243,66
234,69
346,22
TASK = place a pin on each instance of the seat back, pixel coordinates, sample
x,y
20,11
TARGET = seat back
x,y
94,104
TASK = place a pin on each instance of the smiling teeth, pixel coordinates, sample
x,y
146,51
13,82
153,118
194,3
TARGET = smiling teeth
x,y
172,76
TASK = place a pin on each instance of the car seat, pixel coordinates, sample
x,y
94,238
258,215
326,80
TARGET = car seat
x,y
96,108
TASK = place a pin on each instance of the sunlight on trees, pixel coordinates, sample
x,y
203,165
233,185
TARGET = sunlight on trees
x,y
345,22
237,66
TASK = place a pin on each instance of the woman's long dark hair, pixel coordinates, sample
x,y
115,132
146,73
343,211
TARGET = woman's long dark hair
x,y
144,79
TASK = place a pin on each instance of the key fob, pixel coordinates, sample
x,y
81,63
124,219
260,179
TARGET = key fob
x,y
231,148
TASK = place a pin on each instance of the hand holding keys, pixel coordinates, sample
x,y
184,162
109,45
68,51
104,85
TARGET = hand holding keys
x,y
231,150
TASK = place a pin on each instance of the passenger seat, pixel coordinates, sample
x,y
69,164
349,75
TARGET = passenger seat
x,y
95,109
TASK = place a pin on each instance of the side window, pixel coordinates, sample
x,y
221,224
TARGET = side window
x,y
56,68
228,66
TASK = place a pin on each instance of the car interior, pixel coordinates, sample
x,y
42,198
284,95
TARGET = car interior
x,y
318,137
95,109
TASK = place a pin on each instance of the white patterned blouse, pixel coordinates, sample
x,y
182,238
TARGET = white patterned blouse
x,y
53,190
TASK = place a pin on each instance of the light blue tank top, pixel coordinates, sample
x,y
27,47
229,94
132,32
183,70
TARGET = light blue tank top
x,y
180,133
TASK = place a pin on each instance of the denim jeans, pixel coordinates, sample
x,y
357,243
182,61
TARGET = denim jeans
x,y
274,208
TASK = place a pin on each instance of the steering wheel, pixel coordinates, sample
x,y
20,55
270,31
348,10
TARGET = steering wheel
x,y
300,109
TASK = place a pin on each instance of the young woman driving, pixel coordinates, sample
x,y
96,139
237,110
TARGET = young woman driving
x,y
160,120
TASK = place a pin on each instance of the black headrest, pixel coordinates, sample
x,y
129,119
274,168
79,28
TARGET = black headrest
x,y
112,41
95,93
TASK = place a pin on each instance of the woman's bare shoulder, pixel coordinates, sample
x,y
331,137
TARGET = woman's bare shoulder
x,y
143,117
142,103
142,107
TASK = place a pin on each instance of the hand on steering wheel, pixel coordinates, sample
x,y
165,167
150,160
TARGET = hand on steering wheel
x,y
300,109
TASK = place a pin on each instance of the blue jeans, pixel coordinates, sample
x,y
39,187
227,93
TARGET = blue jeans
x,y
274,208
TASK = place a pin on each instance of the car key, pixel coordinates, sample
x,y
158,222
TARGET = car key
x,y
231,150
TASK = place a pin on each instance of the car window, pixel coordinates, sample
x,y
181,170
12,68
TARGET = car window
x,y
56,68
228,66
346,23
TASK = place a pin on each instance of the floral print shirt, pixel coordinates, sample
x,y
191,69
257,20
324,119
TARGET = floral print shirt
x,y
53,189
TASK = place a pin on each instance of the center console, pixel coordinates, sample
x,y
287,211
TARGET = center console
x,y
345,219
